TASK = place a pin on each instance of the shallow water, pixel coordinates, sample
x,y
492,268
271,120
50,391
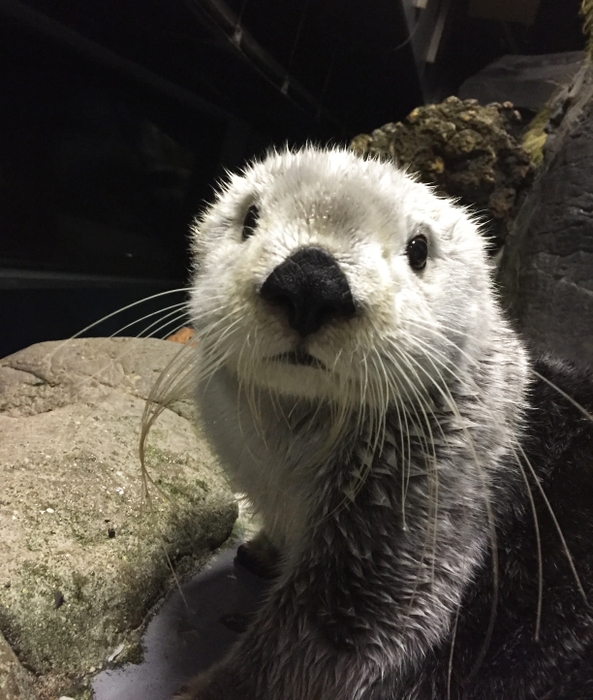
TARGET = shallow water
x,y
186,637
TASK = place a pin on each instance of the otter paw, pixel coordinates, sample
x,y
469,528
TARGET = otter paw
x,y
259,556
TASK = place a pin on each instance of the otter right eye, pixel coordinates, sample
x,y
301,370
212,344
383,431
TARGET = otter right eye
x,y
250,221
417,252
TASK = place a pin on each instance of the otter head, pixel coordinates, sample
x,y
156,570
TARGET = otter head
x,y
321,275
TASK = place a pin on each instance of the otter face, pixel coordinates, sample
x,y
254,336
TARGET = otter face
x,y
324,276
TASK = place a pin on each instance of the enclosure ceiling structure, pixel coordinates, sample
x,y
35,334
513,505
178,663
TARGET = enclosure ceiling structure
x,y
217,15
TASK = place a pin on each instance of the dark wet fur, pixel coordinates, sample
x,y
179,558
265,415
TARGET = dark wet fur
x,y
558,666
515,665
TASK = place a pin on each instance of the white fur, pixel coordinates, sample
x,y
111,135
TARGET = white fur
x,y
363,213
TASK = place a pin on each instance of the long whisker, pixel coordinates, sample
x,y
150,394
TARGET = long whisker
x,y
117,312
540,562
452,405
451,654
564,394
556,525
540,487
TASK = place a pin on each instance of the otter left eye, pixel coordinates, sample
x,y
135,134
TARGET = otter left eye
x,y
250,221
417,252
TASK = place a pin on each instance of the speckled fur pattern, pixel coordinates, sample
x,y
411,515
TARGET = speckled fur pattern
x,y
387,474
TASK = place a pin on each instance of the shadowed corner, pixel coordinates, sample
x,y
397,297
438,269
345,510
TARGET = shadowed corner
x,y
183,640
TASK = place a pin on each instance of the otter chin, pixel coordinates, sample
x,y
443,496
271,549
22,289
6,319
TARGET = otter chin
x,y
425,481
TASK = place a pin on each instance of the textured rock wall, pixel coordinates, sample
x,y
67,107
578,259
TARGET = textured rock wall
x,y
547,267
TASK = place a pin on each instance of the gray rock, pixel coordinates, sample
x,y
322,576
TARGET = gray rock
x,y
526,81
547,266
82,550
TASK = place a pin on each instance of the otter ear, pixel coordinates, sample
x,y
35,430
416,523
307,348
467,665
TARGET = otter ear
x,y
250,221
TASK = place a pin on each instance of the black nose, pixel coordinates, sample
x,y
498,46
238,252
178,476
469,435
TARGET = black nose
x,y
311,289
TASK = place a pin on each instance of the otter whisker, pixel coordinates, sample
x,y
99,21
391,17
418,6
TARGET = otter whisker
x,y
181,368
119,311
517,446
433,494
451,654
562,393
540,561
446,394
556,525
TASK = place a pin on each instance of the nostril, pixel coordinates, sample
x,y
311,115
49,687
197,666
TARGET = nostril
x,y
310,289
326,313
284,302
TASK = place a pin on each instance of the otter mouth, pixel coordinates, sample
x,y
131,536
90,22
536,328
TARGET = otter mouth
x,y
299,358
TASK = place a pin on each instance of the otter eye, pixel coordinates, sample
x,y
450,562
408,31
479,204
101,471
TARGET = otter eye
x,y
417,252
250,221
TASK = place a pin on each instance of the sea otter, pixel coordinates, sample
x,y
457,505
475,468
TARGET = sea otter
x,y
425,481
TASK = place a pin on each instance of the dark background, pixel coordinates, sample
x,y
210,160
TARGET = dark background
x,y
118,116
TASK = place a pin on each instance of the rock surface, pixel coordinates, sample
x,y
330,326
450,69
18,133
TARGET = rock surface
x,y
468,151
82,551
526,81
547,267
15,682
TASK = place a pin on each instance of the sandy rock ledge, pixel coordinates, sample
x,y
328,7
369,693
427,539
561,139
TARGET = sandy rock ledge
x,y
81,552
15,682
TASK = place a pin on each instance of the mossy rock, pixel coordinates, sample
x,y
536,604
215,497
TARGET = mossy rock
x,y
85,555
467,151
